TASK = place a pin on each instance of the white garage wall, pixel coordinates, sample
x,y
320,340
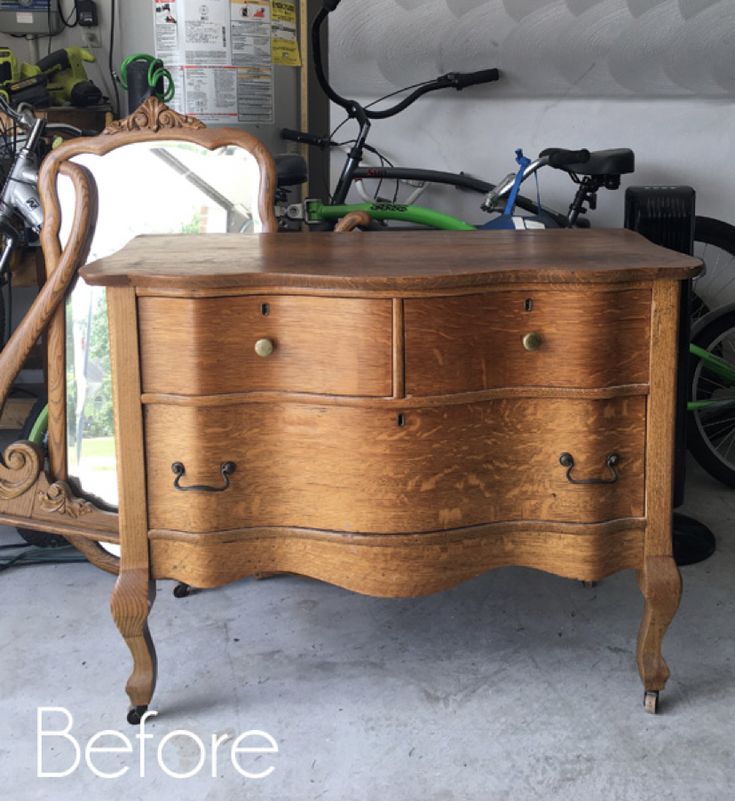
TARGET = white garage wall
x,y
654,75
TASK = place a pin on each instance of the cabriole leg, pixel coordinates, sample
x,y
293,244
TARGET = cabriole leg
x,y
131,603
660,583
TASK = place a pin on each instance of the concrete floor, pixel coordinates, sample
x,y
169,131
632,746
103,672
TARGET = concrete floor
x,y
517,685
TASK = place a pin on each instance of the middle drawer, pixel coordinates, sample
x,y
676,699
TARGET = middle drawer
x,y
211,346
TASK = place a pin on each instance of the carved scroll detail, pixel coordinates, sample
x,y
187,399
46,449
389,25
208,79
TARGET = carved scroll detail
x,y
153,115
59,499
19,469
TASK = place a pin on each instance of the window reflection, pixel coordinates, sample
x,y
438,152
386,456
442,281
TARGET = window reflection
x,y
144,188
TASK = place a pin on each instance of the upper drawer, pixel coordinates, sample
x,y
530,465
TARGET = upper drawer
x,y
206,346
579,338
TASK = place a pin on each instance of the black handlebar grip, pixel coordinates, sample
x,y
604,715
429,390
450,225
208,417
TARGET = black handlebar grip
x,y
461,79
562,158
304,138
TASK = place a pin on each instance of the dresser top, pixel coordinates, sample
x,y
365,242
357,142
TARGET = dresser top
x,y
395,260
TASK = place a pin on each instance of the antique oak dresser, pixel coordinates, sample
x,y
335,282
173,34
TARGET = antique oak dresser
x,y
393,413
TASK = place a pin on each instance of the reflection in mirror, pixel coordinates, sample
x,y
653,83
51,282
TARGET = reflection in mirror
x,y
144,188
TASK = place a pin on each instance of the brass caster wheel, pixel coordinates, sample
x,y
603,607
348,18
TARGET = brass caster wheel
x,y
650,701
135,714
182,590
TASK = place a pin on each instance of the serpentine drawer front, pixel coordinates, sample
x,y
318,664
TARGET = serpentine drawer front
x,y
333,346
585,337
394,413
444,467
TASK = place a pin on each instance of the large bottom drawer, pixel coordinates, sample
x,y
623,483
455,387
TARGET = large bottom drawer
x,y
345,468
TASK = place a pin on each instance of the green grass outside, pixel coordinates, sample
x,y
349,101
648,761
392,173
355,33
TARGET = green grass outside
x,y
102,448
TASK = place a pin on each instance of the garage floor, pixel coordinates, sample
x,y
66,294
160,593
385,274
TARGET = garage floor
x,y
517,685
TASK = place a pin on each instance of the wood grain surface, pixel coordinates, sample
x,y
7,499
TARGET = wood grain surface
x,y
339,346
401,261
134,592
660,583
374,470
398,566
589,338
662,419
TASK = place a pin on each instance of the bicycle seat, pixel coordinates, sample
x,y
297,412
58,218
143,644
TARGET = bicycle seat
x,y
290,169
618,161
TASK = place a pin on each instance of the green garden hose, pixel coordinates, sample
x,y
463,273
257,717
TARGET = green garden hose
x,y
156,72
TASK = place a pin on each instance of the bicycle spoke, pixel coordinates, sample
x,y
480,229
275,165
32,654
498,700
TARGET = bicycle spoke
x,y
718,422
711,381
729,448
731,437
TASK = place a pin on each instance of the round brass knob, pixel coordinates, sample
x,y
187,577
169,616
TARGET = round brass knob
x,y
264,347
532,341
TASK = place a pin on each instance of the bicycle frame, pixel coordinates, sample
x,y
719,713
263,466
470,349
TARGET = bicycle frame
x,y
317,212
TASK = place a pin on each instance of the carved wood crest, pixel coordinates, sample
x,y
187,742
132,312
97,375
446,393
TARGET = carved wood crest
x,y
153,115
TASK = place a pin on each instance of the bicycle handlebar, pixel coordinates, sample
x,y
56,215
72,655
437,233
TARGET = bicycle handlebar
x,y
459,80
454,80
558,157
306,138
63,127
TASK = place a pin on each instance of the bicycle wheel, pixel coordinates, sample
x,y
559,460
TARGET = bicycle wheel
x,y
711,429
714,243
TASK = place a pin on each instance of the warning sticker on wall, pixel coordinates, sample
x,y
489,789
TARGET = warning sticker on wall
x,y
166,30
250,22
219,53
255,94
284,44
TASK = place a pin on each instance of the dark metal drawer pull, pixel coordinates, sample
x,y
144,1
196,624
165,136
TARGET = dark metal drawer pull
x,y
567,460
226,469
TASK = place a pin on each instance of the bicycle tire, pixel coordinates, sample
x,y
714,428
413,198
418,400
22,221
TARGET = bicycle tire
x,y
711,431
39,538
714,243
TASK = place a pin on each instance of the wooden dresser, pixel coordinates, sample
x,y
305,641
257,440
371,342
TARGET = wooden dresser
x,y
393,413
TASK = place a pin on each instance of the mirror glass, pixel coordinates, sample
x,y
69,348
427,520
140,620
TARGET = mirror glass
x,y
161,187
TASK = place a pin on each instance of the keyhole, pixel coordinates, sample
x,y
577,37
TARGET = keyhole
x,y
265,309
528,304
401,420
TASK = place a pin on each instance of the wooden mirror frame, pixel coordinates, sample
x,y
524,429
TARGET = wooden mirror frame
x,y
31,497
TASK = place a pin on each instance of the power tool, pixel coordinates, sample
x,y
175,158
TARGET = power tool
x,y
22,83
67,78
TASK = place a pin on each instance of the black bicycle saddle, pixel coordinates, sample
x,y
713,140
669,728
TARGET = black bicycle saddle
x,y
290,169
619,161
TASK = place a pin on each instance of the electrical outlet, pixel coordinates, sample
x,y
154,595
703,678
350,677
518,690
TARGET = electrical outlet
x,y
91,37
